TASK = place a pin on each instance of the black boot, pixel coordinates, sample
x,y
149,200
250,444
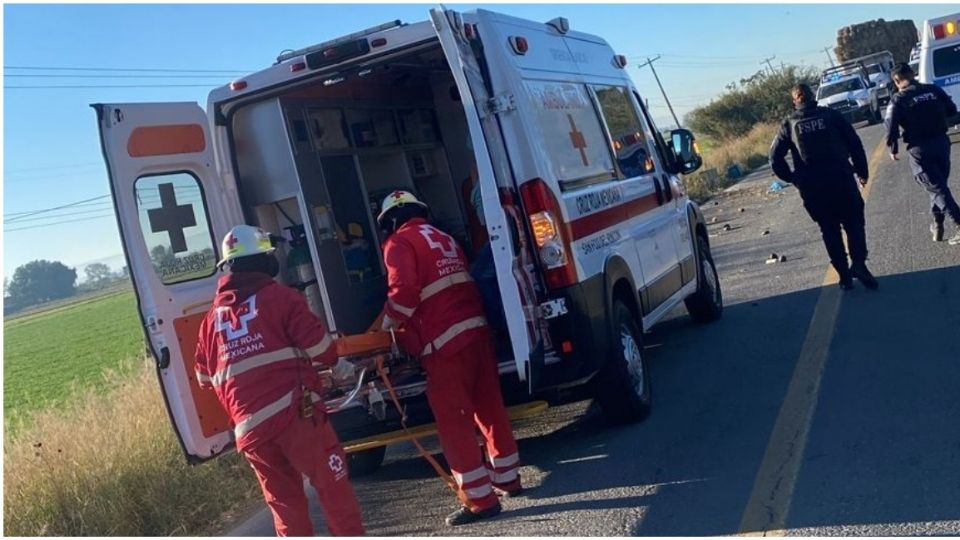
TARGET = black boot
x,y
859,271
936,229
846,281
464,515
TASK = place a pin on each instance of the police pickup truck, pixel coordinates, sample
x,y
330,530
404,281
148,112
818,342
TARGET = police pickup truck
x,y
848,90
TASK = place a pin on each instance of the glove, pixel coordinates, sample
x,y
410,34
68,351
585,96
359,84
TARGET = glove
x,y
343,370
388,323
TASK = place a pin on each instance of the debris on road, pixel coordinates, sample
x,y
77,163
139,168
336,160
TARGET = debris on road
x,y
765,233
776,186
774,259
741,210
727,227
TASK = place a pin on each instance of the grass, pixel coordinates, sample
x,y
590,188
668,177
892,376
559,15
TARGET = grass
x,y
749,151
49,355
109,464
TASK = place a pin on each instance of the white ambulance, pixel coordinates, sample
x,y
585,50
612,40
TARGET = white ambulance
x,y
594,239
939,55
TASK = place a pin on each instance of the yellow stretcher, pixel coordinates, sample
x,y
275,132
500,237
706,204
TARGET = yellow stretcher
x,y
517,412
375,342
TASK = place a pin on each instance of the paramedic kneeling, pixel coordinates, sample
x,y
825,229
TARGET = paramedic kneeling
x,y
258,348
431,295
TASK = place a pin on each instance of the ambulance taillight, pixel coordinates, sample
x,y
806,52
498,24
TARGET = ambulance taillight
x,y
550,234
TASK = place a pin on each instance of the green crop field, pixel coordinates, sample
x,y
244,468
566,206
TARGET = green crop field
x,y
47,354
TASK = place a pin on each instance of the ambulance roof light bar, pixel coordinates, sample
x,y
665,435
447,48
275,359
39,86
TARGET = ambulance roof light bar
x,y
288,54
560,24
946,29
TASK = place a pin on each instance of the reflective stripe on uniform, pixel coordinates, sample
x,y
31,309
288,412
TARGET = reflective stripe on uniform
x,y
263,414
505,461
463,478
255,361
319,348
478,492
203,379
443,283
403,310
454,331
503,478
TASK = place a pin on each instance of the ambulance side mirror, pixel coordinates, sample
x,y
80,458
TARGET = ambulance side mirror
x,y
684,146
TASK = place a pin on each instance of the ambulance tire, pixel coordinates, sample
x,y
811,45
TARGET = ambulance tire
x,y
705,305
365,462
623,384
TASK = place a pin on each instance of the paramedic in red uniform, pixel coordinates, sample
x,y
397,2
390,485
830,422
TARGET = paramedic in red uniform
x,y
432,297
258,350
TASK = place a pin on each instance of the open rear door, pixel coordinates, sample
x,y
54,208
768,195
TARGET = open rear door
x,y
464,55
172,209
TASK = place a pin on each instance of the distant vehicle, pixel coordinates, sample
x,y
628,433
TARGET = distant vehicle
x,y
939,55
879,66
847,89
914,61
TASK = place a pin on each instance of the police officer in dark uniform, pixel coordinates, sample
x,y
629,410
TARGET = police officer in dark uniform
x,y
822,145
922,111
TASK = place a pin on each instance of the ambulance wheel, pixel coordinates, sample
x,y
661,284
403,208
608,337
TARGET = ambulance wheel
x,y
623,384
706,304
366,461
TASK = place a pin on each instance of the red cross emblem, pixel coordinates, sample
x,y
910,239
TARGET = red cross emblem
x,y
578,140
397,195
232,241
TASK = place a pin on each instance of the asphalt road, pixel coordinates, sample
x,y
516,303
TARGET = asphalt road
x,y
803,411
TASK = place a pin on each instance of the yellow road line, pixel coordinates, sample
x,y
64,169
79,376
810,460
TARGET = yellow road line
x,y
772,494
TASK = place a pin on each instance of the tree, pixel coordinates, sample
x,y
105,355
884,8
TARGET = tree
x,y
41,281
761,97
97,273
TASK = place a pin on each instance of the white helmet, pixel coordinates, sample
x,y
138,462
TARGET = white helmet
x,y
398,198
243,241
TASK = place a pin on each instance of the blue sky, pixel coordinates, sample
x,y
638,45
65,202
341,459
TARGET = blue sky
x,y
51,147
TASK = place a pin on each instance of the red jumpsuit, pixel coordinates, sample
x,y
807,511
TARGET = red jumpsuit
x,y
253,351
431,291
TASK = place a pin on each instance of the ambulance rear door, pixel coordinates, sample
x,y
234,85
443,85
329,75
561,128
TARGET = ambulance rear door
x,y
486,98
172,208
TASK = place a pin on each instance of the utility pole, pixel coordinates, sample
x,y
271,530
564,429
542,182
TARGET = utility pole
x,y
650,62
767,61
830,58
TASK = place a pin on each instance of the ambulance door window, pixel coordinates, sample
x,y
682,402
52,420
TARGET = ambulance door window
x,y
574,143
627,136
659,145
173,219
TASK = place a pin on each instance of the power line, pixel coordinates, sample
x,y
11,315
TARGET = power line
x,y
78,220
115,69
68,205
97,203
61,215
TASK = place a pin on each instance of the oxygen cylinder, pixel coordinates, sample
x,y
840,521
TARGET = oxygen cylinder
x,y
300,267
